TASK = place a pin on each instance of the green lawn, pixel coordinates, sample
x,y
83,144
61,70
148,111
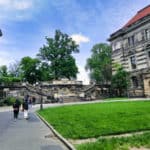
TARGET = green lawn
x,y
94,120
124,143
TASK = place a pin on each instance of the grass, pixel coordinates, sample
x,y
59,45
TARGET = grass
x,y
94,120
124,143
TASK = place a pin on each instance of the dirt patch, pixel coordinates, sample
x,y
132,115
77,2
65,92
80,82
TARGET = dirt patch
x,y
82,141
141,148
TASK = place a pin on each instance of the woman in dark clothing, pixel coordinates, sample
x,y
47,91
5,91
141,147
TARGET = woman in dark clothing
x,y
25,109
16,106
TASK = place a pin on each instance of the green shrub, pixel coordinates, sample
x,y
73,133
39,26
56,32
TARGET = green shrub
x,y
2,103
9,101
16,79
9,80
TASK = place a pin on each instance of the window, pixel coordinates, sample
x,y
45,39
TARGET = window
x,y
149,54
143,35
125,43
116,45
135,81
147,34
131,40
138,37
133,62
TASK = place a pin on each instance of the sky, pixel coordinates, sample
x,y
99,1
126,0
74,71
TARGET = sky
x,y
26,23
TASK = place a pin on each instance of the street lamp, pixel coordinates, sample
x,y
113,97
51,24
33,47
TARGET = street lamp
x,y
39,92
41,98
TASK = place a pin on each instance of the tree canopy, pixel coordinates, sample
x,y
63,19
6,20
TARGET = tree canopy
x,y
3,71
99,64
120,80
57,53
6,77
30,69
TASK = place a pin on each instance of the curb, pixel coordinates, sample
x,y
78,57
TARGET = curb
x,y
62,139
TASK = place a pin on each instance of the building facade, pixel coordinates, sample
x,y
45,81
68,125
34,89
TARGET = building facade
x,y
131,49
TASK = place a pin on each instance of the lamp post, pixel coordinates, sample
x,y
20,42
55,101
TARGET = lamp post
x,y
39,91
41,98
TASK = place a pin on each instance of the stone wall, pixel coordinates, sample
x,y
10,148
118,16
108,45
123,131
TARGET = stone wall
x,y
147,85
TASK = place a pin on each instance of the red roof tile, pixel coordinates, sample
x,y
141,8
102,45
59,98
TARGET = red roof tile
x,y
140,14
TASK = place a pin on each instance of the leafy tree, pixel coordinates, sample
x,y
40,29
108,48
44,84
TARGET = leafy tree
x,y
99,64
120,80
30,69
6,77
14,69
3,71
46,72
57,53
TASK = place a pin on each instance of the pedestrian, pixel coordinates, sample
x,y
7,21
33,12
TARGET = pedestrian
x,y
33,100
26,98
16,107
30,102
25,109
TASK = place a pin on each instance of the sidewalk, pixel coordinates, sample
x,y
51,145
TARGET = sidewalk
x,y
33,134
24,134
5,108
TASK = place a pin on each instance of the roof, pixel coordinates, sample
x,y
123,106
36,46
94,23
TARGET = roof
x,y
140,14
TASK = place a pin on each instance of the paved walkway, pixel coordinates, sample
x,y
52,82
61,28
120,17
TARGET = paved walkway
x,y
23,134
30,134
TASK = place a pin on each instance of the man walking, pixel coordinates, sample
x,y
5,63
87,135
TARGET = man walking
x,y
16,106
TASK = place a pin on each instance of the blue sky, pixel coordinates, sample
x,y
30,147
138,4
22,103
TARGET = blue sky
x,y
25,23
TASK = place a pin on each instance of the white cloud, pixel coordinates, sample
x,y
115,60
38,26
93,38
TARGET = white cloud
x,y
15,4
16,9
79,38
82,75
4,2
22,5
5,58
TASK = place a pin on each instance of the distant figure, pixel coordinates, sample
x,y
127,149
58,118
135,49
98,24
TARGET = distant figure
x,y
16,107
33,100
30,102
61,99
25,109
26,98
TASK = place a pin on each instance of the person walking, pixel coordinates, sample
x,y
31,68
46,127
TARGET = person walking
x,y
30,102
16,106
25,109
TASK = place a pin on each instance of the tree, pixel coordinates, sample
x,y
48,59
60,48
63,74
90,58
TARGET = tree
x,y
120,80
14,69
30,69
99,64
57,53
6,77
3,71
45,71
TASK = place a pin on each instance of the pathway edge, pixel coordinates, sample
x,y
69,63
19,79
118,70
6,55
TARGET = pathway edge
x,y
61,138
